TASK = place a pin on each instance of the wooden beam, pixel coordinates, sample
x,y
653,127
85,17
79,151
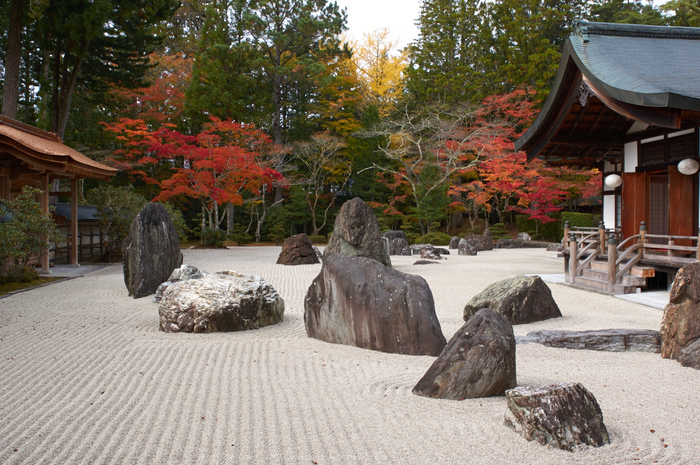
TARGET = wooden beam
x,y
615,142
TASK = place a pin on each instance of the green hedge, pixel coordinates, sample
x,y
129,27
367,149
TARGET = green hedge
x,y
551,232
318,239
434,238
583,220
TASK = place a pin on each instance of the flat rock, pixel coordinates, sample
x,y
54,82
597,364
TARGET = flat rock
x,y
564,415
219,302
523,299
690,355
680,325
608,340
359,302
297,250
356,234
520,244
152,251
479,361
425,262
183,273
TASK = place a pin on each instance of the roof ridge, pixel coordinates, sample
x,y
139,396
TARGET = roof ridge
x,y
585,28
29,129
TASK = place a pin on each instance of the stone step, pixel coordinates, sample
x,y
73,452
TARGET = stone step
x,y
627,280
636,270
594,283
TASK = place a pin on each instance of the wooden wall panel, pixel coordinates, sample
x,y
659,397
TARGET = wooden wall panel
x,y
634,200
683,204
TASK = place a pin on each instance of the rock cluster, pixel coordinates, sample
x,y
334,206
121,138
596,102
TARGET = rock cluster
x,y
297,250
152,251
523,299
357,301
680,326
221,301
564,415
356,234
479,361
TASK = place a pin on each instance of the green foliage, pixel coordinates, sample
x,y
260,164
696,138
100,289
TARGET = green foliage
x,y
276,233
498,231
239,236
434,238
551,232
19,274
583,220
116,209
26,231
214,237
318,239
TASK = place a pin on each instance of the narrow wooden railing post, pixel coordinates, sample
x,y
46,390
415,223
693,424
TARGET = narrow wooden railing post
x,y
601,237
697,252
612,258
566,235
642,238
669,251
573,258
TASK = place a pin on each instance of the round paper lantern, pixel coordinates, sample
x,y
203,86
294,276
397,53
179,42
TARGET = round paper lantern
x,y
688,166
613,180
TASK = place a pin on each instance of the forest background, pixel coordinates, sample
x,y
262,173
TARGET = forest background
x,y
256,119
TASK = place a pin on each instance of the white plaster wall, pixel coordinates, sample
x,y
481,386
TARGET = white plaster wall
x,y
630,152
609,211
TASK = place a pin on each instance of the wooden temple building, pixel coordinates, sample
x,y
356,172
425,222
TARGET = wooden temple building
x,y
626,100
30,156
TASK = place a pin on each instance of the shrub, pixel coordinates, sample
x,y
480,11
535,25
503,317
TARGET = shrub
x,y
19,274
238,235
434,238
412,237
318,239
552,232
213,237
498,231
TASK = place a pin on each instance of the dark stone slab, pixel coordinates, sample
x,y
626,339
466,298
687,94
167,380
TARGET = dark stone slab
x,y
152,251
608,340
523,299
425,262
356,233
391,235
454,242
681,321
564,415
297,250
520,244
478,242
359,302
428,252
479,361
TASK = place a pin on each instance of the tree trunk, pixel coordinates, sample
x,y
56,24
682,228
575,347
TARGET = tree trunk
x,y
66,95
12,60
229,218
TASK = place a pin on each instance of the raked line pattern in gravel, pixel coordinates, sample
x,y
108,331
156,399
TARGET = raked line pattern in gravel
x,y
87,377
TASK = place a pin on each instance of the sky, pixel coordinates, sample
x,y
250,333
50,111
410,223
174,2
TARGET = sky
x,y
398,16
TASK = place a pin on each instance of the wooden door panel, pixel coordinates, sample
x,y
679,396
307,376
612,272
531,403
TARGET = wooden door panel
x,y
682,205
634,198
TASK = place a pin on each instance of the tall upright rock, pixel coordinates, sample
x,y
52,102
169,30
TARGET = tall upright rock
x,y
356,234
152,251
680,326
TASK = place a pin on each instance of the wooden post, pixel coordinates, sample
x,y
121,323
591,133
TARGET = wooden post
x,y
697,252
642,238
566,235
601,237
669,252
74,222
612,266
45,211
573,259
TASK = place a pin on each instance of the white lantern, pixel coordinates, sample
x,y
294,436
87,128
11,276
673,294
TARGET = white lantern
x,y
688,166
613,180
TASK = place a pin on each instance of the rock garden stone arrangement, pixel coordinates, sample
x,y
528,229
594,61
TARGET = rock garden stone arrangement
x,y
221,301
356,233
479,361
564,415
358,301
297,250
523,299
152,251
680,326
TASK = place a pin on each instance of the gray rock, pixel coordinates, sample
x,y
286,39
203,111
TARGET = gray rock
x,y
391,235
359,302
425,262
690,355
454,242
399,246
222,301
479,361
429,252
564,415
520,244
356,234
183,273
680,325
442,251
152,251
480,243
297,250
523,236
608,340
523,299
465,248
555,247
318,253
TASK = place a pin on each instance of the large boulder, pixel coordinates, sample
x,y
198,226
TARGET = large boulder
x,y
564,415
523,299
429,252
480,243
690,355
297,250
479,361
523,236
221,301
454,242
680,326
356,234
183,273
359,302
465,248
152,251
